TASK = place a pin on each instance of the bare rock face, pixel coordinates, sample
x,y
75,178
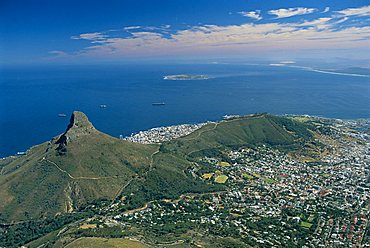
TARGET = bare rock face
x,y
79,125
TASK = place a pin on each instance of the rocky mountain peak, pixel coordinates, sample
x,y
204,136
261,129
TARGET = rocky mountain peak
x,y
79,121
79,125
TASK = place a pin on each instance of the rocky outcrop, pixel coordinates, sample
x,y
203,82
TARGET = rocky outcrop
x,y
74,197
79,125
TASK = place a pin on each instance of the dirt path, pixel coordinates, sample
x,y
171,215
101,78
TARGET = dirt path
x,y
79,178
204,131
137,176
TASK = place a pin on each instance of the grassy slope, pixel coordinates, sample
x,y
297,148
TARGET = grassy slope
x,y
251,130
33,187
166,181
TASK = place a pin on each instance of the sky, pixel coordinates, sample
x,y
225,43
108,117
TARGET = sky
x,y
45,31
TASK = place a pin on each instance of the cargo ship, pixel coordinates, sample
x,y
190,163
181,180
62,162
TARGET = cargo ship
x,y
158,103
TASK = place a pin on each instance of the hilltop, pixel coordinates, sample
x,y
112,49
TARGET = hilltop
x,y
240,131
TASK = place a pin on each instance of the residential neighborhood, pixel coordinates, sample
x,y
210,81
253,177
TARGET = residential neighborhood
x,y
161,134
273,198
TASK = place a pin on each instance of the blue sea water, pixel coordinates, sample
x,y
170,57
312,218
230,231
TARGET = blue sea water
x,y
31,98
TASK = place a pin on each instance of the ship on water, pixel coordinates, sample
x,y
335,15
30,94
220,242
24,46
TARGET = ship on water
x,y
62,115
158,103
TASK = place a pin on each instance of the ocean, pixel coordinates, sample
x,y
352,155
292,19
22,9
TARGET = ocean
x,y
31,98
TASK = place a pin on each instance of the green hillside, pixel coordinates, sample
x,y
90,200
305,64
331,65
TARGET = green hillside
x,y
45,182
83,165
248,130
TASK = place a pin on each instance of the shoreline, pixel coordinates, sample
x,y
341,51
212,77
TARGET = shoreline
x,y
195,126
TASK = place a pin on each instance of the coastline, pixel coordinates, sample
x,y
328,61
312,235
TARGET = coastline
x,y
157,135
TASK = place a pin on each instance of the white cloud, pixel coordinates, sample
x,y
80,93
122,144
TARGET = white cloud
x,y
283,13
147,35
320,23
150,28
362,11
90,36
322,34
327,9
249,38
252,14
132,27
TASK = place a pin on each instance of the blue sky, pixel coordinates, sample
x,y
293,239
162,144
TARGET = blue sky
x,y
67,31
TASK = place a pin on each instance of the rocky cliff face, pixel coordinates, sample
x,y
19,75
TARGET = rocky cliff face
x,y
79,125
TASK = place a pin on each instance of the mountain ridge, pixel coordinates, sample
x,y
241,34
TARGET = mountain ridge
x,y
83,165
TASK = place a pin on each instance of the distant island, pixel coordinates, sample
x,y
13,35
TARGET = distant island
x,y
186,77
